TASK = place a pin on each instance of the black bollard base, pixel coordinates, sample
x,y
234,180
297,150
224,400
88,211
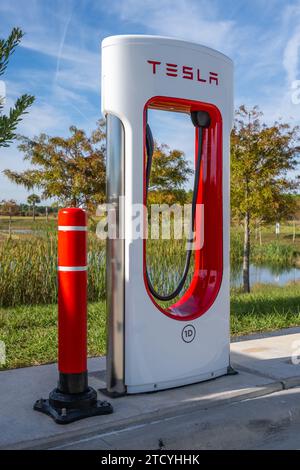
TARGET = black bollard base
x,y
65,408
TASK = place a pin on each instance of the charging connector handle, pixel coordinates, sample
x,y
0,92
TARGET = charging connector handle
x,y
149,149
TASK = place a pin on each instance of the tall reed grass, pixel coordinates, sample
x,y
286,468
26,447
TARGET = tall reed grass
x,y
28,271
28,266
274,253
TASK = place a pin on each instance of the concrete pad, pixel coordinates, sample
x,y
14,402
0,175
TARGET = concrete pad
x,y
274,357
25,428
268,422
264,366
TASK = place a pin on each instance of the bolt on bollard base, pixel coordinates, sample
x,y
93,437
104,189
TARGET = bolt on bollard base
x,y
65,408
72,400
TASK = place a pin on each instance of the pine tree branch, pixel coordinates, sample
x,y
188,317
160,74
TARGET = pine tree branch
x,y
8,46
9,123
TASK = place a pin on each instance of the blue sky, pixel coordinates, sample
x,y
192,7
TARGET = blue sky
x,y
59,59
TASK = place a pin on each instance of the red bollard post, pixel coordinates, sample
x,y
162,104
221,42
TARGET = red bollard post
x,y
72,300
73,399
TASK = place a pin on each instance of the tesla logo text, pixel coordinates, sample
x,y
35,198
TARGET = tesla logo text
x,y
184,71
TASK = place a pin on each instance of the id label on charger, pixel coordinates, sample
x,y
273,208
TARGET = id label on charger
x,y
188,333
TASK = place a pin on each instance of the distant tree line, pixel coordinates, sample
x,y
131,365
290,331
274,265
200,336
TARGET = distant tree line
x,y
11,207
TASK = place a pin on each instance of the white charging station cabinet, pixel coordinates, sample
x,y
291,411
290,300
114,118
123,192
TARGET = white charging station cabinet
x,y
151,347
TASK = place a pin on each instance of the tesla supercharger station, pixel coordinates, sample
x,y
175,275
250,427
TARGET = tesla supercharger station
x,y
152,346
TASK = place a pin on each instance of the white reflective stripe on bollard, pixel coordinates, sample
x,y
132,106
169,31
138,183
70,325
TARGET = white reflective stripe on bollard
x,y
74,228
72,268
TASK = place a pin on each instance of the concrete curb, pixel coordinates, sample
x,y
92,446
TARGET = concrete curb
x,y
147,418
291,382
265,334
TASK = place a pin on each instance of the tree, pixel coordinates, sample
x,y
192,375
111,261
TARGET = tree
x,y
70,169
261,157
8,124
9,208
169,173
32,200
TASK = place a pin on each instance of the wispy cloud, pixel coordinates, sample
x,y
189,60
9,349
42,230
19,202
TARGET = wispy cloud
x,y
54,30
291,23
185,19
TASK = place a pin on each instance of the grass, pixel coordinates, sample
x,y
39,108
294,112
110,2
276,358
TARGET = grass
x,y
274,251
28,270
28,266
30,332
39,226
28,288
266,308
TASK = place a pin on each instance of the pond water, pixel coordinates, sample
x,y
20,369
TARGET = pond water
x,y
266,275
